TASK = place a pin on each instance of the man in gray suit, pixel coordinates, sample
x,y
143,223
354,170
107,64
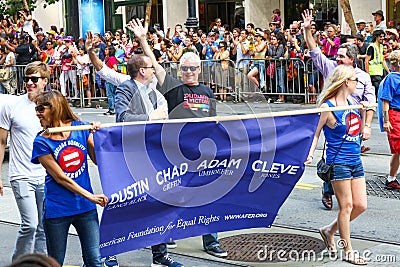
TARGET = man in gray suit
x,y
136,99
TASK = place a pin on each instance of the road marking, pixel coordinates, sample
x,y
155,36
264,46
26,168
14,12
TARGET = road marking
x,y
309,185
306,186
302,187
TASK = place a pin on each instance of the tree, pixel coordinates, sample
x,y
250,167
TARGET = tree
x,y
11,7
348,15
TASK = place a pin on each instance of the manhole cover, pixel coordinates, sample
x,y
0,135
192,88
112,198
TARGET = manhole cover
x,y
277,247
376,187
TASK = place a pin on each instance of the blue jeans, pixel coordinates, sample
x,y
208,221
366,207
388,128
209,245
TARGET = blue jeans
x,y
110,91
280,79
328,189
210,241
87,227
29,195
260,65
347,171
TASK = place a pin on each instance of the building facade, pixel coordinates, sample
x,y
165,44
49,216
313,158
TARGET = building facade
x,y
235,13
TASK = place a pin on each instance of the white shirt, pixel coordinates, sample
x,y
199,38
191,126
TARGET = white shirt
x,y
117,78
381,26
18,116
86,61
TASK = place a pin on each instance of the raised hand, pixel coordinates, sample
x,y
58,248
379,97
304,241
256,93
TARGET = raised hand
x,y
307,19
137,27
89,41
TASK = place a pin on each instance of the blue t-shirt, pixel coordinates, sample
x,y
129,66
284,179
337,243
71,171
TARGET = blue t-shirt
x,y
209,56
347,121
71,156
389,89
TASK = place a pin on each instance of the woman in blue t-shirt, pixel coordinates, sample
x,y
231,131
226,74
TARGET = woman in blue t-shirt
x,y
69,197
342,133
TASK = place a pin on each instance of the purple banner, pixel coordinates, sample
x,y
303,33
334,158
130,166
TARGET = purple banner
x,y
186,179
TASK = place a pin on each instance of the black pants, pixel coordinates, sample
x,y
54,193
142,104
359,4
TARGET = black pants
x,y
376,80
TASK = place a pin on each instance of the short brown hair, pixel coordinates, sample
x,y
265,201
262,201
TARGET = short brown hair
x,y
134,64
60,109
38,67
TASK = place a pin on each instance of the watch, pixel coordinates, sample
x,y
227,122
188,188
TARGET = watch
x,y
368,125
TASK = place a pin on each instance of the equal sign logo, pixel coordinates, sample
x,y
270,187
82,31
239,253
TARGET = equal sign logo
x,y
71,159
353,124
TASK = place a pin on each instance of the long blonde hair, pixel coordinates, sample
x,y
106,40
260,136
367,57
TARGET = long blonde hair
x,y
334,82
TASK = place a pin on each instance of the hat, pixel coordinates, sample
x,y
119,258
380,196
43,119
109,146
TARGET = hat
x,y
176,40
379,12
394,32
360,21
211,34
69,39
52,32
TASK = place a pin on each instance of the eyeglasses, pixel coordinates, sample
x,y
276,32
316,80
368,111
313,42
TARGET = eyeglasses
x,y
148,67
354,80
48,44
221,46
33,79
191,68
42,107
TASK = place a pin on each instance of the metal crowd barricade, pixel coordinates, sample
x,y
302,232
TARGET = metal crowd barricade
x,y
282,77
69,82
219,80
313,81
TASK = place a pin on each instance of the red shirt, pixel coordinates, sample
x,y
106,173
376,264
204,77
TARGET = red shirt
x,y
111,61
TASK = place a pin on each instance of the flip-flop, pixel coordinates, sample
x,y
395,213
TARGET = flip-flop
x,y
356,261
326,241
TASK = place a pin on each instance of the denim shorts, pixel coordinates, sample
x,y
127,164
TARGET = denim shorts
x,y
345,171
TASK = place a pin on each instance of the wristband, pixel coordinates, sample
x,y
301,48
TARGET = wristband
x,y
385,116
367,125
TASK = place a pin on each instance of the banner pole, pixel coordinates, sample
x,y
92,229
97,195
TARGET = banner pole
x,y
215,119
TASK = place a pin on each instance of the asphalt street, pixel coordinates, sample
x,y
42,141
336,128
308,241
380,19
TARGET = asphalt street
x,y
302,213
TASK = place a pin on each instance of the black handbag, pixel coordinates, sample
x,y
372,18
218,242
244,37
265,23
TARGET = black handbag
x,y
324,170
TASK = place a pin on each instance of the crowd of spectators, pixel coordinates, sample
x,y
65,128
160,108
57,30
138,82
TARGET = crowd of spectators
x,y
264,55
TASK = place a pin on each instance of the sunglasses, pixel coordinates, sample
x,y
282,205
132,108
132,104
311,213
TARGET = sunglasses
x,y
191,68
33,79
41,108
354,80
